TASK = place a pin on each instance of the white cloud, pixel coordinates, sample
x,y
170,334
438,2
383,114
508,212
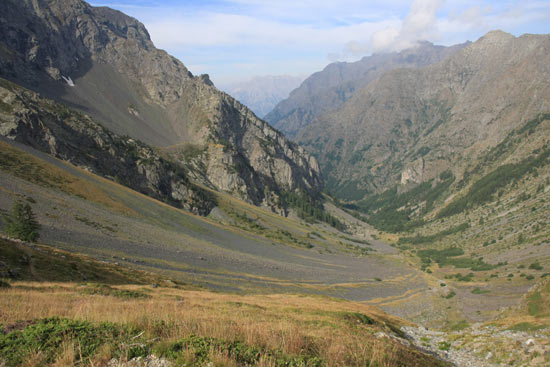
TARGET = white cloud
x,y
418,25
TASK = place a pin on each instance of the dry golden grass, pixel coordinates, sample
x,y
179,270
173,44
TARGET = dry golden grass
x,y
290,323
67,357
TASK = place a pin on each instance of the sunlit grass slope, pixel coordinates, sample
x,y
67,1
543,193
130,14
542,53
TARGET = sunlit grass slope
x,y
67,323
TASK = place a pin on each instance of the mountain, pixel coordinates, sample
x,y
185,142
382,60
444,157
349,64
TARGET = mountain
x,y
331,88
262,93
102,63
411,125
421,145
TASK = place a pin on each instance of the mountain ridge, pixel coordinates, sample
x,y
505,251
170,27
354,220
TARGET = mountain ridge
x,y
336,83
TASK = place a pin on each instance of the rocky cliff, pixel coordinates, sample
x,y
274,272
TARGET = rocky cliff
x,y
103,63
330,88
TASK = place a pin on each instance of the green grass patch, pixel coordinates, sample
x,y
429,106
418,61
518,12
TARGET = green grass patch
x,y
478,290
417,240
459,325
358,318
197,349
526,326
451,257
44,263
105,290
48,336
535,304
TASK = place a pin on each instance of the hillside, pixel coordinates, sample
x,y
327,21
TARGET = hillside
x,y
134,313
450,163
238,247
110,319
102,63
330,88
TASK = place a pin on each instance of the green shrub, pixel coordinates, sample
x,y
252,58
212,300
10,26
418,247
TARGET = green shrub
x,y
48,335
526,326
444,345
358,318
450,295
478,290
199,348
536,266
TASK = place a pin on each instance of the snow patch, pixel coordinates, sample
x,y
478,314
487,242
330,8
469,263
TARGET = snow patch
x,y
68,80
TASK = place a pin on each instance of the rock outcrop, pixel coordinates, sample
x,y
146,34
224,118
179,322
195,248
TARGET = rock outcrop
x,y
76,138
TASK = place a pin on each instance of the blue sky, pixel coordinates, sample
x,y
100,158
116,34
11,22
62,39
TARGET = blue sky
x,y
234,40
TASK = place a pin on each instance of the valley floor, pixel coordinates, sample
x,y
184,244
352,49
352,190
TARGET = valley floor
x,y
244,251
135,230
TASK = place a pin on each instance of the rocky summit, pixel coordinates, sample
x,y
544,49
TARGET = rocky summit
x,y
103,63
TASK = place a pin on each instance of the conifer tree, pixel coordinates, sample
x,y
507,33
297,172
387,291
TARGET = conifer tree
x,y
21,223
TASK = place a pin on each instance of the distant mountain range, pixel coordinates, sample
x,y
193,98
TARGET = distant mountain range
x,y
262,93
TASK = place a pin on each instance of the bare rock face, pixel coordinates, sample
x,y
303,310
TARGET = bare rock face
x,y
102,62
414,173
